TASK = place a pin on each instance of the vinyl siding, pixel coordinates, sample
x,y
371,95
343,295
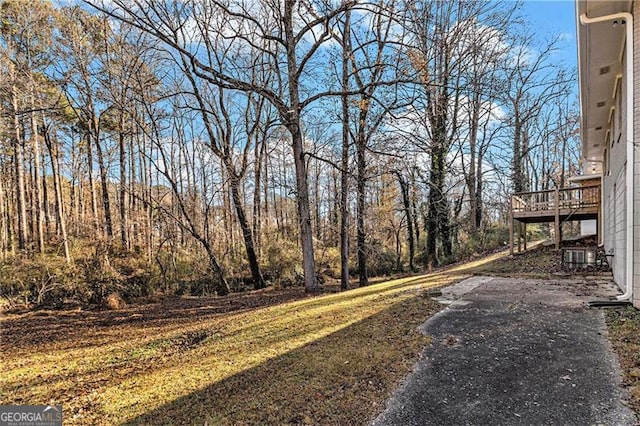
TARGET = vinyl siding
x,y
635,163
613,187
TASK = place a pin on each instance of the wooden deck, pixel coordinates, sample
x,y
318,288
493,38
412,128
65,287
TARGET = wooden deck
x,y
554,205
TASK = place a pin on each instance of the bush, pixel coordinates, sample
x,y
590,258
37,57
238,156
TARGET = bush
x,y
495,236
282,263
47,281
328,262
381,260
41,282
100,277
135,276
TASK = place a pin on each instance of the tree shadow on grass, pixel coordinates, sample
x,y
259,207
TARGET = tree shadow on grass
x,y
343,378
80,329
76,329
158,346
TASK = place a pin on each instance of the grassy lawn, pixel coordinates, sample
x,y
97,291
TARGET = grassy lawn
x,y
259,357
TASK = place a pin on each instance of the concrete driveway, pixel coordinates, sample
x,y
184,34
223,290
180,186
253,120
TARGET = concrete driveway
x,y
512,351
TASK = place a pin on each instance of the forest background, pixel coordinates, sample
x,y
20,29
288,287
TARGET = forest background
x,y
201,147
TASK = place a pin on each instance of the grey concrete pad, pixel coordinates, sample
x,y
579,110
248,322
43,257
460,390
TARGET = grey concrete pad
x,y
521,352
452,294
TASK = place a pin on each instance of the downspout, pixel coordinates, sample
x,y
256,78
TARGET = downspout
x,y
584,20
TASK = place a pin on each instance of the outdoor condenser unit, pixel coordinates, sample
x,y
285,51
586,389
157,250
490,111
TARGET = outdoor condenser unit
x,y
579,257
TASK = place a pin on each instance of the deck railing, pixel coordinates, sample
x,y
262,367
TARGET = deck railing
x,y
552,199
553,205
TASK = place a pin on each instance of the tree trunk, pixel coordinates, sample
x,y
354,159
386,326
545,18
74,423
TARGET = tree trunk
x,y
259,154
222,286
124,238
438,213
37,193
76,186
258,280
404,189
18,160
317,200
92,186
517,175
45,196
414,206
344,164
104,182
471,170
398,250
53,155
361,206
479,189
292,120
4,221
304,214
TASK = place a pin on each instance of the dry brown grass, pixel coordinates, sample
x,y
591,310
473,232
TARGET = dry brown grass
x,y
114,302
624,333
265,357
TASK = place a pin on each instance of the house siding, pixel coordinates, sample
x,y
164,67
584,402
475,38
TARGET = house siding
x,y
635,163
614,182
614,185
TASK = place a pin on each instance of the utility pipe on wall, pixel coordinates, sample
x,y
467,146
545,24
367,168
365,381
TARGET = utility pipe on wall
x,y
585,20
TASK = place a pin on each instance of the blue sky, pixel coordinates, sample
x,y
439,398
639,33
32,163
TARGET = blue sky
x,y
549,18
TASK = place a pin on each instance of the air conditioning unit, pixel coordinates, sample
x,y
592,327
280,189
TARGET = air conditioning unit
x,y
573,257
579,257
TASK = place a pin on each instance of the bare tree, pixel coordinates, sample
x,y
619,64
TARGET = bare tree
x,y
483,79
82,44
188,209
26,31
374,61
532,81
344,160
220,131
437,29
288,38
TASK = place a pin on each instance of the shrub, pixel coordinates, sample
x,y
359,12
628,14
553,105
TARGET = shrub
x,y
283,263
381,260
494,237
44,281
135,276
328,262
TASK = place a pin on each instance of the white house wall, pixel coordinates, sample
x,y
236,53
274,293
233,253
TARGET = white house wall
x,y
613,186
636,161
600,45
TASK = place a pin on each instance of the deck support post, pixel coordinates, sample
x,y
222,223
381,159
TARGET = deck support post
x,y
600,240
524,234
519,237
511,228
556,203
